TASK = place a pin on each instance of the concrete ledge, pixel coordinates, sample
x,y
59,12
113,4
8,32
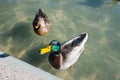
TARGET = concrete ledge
x,y
14,69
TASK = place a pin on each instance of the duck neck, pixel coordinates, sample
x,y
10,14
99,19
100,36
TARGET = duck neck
x,y
56,53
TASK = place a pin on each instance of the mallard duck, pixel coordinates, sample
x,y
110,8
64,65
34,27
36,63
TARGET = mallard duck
x,y
63,56
41,23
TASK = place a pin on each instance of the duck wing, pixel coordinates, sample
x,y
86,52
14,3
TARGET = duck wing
x,y
69,45
72,49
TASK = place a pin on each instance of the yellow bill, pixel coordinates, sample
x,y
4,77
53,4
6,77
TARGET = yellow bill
x,y
36,27
45,50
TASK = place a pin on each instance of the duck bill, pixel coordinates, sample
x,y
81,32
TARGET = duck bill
x,y
45,50
36,27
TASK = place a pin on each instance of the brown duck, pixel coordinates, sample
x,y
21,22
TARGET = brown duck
x,y
41,23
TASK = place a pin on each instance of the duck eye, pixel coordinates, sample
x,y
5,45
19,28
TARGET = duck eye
x,y
55,48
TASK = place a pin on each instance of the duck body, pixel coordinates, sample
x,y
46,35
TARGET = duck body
x,y
41,23
69,52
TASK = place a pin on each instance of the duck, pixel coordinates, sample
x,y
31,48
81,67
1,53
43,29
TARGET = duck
x,y
41,23
65,55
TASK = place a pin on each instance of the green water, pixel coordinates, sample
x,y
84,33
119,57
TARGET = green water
x,y
101,57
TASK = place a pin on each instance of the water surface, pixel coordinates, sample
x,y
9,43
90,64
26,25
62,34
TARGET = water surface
x,y
101,57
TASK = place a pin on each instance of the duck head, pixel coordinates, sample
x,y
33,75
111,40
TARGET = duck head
x,y
54,47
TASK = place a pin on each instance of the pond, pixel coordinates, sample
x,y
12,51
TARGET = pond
x,y
69,18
